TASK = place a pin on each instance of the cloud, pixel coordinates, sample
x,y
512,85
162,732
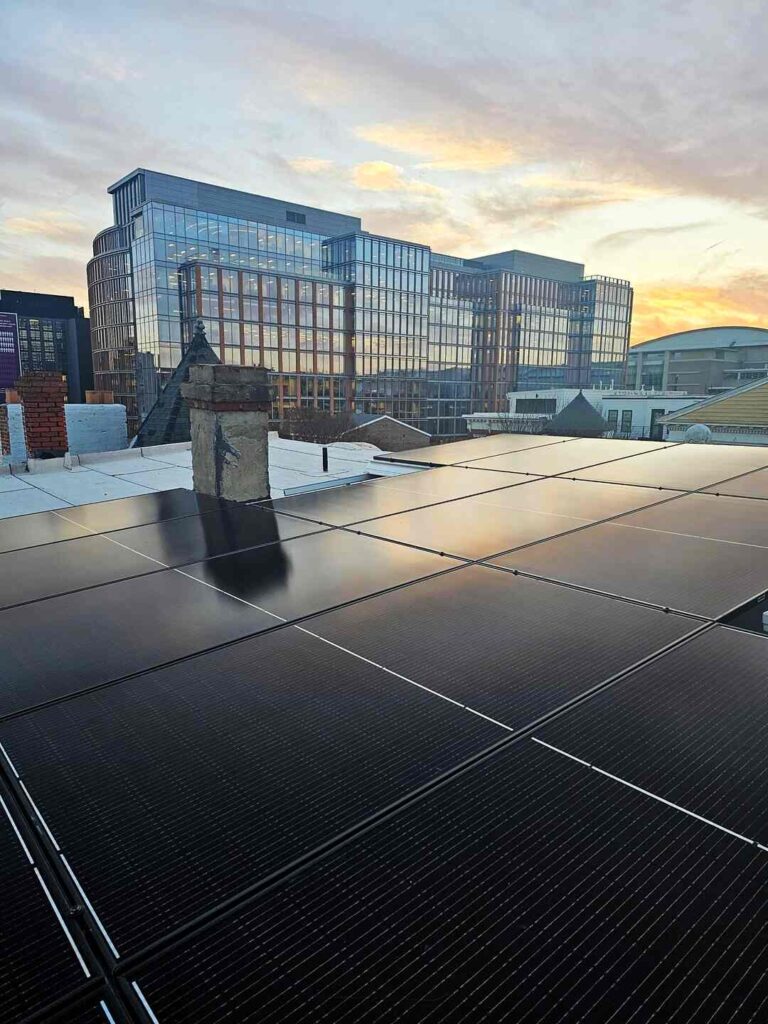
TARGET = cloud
x,y
50,225
380,176
622,239
664,308
311,165
427,223
543,206
442,149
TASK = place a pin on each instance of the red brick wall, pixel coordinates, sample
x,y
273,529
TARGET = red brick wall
x,y
43,396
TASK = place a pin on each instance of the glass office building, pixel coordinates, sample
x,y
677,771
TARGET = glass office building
x,y
344,319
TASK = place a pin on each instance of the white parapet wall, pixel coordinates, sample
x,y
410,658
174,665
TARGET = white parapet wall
x,y
96,428
90,428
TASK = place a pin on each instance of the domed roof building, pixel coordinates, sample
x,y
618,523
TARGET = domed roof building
x,y
708,360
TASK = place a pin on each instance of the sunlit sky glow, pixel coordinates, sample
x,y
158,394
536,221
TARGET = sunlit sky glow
x,y
631,137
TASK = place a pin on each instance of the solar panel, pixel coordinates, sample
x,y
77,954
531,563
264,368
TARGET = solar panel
x,y
705,515
36,956
35,573
341,506
81,1011
473,448
81,640
509,647
753,485
685,467
194,538
310,574
35,529
144,508
690,727
173,791
469,528
703,577
528,889
578,498
571,456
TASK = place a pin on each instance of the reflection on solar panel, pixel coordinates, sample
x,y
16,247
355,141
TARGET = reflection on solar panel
x,y
690,574
753,485
684,467
477,448
558,459
526,791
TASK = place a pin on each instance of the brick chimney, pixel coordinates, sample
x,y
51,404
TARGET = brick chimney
x,y
43,395
229,409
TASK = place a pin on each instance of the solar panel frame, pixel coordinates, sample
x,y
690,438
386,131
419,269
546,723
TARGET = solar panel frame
x,y
722,517
36,529
750,485
153,507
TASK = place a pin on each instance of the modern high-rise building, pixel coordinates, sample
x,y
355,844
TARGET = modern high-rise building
x,y
344,319
52,333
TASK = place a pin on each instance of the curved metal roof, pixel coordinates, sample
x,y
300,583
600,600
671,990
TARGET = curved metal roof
x,y
706,337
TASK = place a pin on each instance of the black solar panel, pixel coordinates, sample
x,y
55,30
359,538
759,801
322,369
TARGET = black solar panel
x,y
685,467
38,528
37,962
575,454
473,448
753,485
36,573
194,538
703,577
691,728
528,889
143,508
340,506
80,640
81,1011
310,574
173,791
510,647
707,515
470,528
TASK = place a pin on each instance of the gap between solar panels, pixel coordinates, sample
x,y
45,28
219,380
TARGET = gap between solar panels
x,y
71,910
653,796
393,456
214,915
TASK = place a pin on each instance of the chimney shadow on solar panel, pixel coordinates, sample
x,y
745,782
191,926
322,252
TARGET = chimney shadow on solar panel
x,y
251,572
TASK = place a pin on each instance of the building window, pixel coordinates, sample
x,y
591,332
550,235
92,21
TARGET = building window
x,y
613,420
533,405
626,421
295,218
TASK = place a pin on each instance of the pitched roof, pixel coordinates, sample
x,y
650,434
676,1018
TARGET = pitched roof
x,y
747,405
167,422
364,419
578,419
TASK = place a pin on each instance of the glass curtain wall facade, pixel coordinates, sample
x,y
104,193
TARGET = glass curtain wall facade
x,y
344,319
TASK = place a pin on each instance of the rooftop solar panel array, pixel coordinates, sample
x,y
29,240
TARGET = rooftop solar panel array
x,y
470,743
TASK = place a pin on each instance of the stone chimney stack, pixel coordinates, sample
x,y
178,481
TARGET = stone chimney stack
x,y
229,408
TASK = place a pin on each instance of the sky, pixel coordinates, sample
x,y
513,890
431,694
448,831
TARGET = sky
x,y
631,137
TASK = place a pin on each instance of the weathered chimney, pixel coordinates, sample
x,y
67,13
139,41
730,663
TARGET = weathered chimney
x,y
43,395
229,409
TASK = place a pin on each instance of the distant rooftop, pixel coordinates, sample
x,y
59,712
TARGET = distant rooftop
x,y
705,337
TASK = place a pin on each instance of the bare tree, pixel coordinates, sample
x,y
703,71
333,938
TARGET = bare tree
x,y
315,425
